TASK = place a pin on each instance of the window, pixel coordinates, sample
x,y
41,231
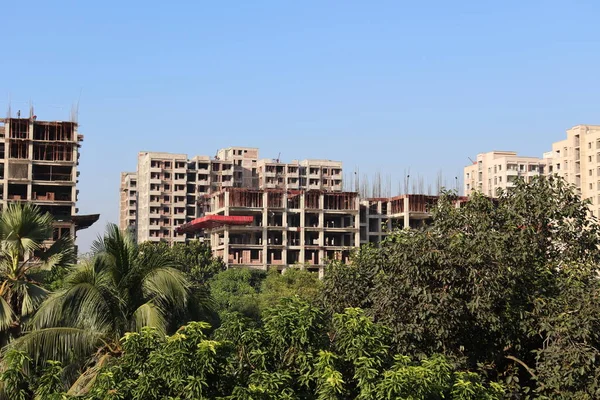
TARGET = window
x,y
495,168
500,179
590,172
590,158
495,181
468,175
591,186
499,167
589,145
557,166
521,167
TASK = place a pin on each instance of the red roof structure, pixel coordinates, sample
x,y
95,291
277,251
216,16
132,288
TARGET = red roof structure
x,y
213,221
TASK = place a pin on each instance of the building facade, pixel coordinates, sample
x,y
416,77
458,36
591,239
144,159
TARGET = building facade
x,y
283,227
300,175
577,160
170,186
499,170
38,164
128,204
381,216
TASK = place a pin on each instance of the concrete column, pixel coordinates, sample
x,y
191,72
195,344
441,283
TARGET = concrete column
x,y
406,213
301,258
321,226
265,217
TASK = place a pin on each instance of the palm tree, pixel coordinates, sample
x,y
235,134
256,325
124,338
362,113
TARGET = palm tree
x,y
118,290
24,258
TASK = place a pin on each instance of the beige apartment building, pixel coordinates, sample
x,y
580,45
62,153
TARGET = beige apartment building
x,y
577,160
128,204
38,164
169,186
499,170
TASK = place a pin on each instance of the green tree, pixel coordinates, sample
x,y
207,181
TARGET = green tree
x,y
118,290
297,354
237,290
489,285
292,282
24,260
194,258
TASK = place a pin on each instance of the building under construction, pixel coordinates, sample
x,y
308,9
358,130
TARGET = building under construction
x,y
38,164
261,228
381,216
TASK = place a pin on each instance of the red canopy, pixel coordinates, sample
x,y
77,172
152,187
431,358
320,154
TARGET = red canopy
x,y
213,221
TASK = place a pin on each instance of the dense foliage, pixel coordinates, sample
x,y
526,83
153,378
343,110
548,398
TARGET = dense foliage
x,y
116,291
511,288
248,291
295,353
24,263
493,299
194,258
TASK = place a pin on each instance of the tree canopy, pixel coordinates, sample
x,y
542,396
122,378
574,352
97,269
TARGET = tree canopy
x,y
508,286
296,352
493,299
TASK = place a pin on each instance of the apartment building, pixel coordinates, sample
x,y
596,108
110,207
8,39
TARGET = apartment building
x,y
261,228
499,170
577,160
300,175
128,204
170,185
244,165
38,164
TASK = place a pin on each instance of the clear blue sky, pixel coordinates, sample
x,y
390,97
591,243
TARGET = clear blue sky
x,y
381,85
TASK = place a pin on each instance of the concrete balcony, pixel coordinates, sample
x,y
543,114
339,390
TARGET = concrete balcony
x,y
512,172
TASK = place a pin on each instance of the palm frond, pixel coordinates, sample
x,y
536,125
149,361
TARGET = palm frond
x,y
60,253
168,285
60,344
149,314
81,305
31,294
24,226
7,316
117,250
